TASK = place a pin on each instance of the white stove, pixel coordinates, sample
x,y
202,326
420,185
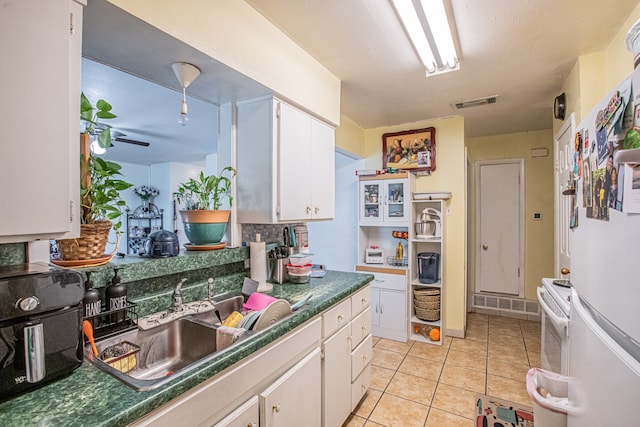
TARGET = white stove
x,y
554,300
559,295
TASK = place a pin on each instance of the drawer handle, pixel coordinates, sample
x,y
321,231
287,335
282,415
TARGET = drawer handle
x,y
364,357
364,301
276,407
364,328
340,317
349,338
363,387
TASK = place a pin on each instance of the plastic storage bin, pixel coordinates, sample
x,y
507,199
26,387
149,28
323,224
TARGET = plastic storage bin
x,y
549,392
300,259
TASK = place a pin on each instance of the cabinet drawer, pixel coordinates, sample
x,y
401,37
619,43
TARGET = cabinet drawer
x,y
336,317
390,281
360,357
360,386
360,300
360,327
247,415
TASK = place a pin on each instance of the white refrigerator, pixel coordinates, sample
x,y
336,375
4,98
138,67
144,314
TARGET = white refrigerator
x,y
604,330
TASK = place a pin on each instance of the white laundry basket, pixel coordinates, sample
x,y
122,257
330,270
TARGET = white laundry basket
x,y
549,410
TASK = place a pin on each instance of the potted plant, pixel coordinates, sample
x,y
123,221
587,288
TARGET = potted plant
x,y
100,188
204,222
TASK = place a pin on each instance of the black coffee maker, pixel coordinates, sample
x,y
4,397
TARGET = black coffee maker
x,y
428,267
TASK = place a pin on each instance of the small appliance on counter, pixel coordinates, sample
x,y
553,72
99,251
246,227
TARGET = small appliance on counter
x,y
430,224
162,243
428,267
40,326
373,255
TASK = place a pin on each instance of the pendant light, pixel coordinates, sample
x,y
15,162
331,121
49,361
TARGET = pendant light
x,y
186,74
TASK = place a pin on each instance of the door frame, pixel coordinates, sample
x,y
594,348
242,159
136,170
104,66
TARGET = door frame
x,y
521,224
568,125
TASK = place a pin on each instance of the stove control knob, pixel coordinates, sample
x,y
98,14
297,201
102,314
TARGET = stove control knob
x,y
28,303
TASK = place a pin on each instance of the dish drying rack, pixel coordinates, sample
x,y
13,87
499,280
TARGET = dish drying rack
x,y
106,323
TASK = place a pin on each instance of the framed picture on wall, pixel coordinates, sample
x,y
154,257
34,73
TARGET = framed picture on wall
x,y
412,150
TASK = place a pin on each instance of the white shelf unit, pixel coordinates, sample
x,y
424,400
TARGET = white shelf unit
x,y
384,203
416,246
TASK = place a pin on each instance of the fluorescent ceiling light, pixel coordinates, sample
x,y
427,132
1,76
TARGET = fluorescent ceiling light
x,y
427,25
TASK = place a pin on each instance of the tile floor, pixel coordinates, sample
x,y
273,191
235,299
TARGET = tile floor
x,y
422,385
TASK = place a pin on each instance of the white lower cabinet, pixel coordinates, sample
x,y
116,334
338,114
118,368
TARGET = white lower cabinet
x,y
294,399
287,373
347,355
336,380
388,302
247,415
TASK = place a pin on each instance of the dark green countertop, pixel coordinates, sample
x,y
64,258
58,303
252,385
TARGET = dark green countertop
x,y
90,397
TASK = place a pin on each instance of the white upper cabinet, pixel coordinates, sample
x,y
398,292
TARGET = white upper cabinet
x,y
384,200
39,149
286,164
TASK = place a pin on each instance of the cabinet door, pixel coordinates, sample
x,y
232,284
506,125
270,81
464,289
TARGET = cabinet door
x,y
294,164
336,377
393,310
322,171
247,415
295,398
371,209
396,201
375,307
34,163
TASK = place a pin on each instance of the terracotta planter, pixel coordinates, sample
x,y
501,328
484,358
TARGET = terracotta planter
x,y
204,227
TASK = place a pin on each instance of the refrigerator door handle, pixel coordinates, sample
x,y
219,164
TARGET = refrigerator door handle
x,y
559,321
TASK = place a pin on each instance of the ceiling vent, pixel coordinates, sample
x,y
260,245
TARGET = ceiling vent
x,y
476,102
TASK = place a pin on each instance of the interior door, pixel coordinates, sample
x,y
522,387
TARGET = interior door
x,y
499,227
563,159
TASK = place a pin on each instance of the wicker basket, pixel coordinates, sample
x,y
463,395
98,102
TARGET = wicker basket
x,y
427,314
428,305
427,298
426,292
90,244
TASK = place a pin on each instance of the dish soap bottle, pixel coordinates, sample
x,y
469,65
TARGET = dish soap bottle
x,y
116,298
399,252
91,301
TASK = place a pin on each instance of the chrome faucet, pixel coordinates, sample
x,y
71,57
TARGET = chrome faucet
x,y
176,298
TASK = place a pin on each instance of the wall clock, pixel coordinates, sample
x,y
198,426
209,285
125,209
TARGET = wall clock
x,y
559,106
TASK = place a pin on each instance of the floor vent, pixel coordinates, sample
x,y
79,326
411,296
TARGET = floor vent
x,y
500,303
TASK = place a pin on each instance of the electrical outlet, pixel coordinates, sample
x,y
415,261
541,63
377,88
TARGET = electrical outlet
x,y
247,263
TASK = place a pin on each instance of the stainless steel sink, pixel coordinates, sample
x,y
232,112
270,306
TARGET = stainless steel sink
x,y
165,352
171,349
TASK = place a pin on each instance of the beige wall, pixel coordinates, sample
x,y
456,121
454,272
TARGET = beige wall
x,y
538,262
235,34
594,75
448,176
350,137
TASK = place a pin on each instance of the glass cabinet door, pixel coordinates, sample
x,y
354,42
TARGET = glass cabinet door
x,y
371,201
395,206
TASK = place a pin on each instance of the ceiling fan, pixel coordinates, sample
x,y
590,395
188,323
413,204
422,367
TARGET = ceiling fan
x,y
117,136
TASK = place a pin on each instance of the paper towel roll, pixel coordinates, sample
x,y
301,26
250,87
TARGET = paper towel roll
x,y
258,255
